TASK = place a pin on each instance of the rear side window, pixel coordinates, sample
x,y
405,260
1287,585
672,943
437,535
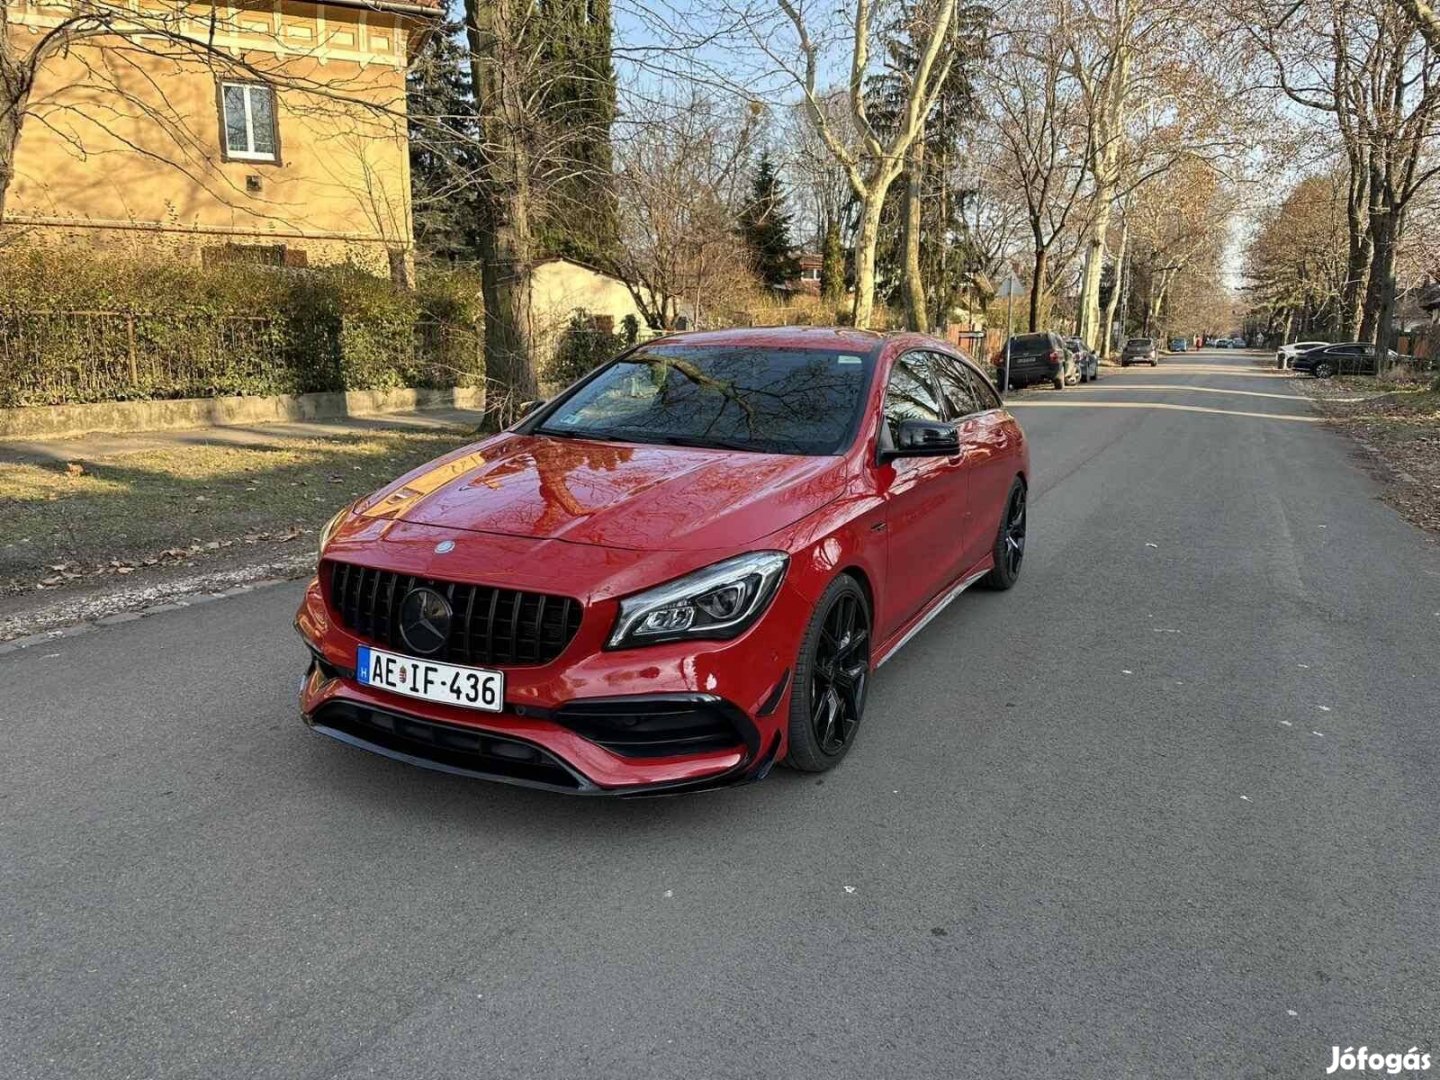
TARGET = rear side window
x,y
957,385
908,394
1031,343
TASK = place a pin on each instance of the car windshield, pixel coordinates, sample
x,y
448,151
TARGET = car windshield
x,y
761,399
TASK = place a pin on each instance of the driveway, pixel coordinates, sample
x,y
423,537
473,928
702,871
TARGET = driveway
x,y
1167,809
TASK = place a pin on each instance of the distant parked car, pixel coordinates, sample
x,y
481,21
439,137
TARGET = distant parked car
x,y
1085,360
1222,343
1139,350
1035,358
1286,354
1179,344
1350,358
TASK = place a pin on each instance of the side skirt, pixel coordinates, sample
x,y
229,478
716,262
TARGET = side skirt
x,y
936,608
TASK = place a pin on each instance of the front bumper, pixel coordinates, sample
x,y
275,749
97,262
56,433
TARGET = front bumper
x,y
658,720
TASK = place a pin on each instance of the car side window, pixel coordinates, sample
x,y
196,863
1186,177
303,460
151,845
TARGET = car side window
x,y
956,385
986,398
908,394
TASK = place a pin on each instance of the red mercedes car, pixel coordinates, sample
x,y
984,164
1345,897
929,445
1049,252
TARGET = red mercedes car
x,y
676,573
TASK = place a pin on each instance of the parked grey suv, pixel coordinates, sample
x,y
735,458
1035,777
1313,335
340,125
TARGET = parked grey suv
x,y
1140,350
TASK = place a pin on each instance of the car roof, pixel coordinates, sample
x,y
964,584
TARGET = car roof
x,y
794,337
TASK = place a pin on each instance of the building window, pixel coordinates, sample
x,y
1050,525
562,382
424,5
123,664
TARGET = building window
x,y
247,122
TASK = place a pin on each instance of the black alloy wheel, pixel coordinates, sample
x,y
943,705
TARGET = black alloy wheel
x,y
1323,369
832,676
1009,541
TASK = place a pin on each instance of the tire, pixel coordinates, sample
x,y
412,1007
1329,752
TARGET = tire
x,y
1124,363
1058,382
1009,548
1083,377
1323,369
832,676
1154,363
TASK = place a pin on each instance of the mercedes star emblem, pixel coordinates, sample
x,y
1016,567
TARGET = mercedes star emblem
x,y
425,620
444,547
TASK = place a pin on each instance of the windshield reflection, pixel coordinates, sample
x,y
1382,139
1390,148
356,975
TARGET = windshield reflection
x,y
765,400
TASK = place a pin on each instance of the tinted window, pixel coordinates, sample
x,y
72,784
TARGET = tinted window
x,y
783,401
956,385
1140,342
1031,343
908,394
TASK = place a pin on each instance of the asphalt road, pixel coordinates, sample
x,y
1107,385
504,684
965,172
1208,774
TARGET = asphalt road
x,y
1167,809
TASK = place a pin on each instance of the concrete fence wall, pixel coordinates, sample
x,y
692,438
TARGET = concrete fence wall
x,y
67,421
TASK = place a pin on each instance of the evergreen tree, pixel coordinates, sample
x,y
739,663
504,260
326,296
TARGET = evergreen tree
x,y
765,228
575,82
444,140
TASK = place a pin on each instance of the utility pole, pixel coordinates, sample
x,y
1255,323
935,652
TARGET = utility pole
x,y
1008,288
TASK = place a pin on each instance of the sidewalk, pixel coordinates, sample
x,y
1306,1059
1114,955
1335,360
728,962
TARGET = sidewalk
x,y
105,447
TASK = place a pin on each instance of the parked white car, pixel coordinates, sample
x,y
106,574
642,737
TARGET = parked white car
x,y
1286,354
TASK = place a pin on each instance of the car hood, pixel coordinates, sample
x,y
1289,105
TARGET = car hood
x,y
618,495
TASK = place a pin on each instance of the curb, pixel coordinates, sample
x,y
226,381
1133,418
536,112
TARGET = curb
x,y
119,618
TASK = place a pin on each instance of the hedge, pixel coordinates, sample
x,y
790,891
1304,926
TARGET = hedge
x,y
77,328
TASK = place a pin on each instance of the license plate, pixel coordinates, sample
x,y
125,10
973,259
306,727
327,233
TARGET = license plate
x,y
449,684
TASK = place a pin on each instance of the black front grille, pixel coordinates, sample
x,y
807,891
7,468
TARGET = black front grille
x,y
490,625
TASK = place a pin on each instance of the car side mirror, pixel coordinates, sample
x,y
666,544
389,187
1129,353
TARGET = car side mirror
x,y
527,407
925,438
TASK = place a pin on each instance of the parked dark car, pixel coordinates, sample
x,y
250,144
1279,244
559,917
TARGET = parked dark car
x,y
1350,358
1086,362
1035,358
1179,344
1139,350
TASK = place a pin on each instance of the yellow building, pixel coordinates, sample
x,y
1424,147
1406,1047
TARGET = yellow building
x,y
272,130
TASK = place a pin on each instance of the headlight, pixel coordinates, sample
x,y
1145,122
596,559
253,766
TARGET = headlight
x,y
330,527
719,601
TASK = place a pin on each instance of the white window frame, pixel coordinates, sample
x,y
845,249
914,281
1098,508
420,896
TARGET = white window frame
x,y
247,88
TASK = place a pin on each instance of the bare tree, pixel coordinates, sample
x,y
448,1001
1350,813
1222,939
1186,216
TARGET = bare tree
x,y
1374,80
871,161
1044,152
681,179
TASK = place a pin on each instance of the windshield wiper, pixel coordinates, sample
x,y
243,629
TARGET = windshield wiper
x,y
710,443
596,436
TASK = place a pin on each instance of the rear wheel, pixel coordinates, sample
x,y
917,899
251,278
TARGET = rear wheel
x,y
1154,363
1009,541
832,675
1058,382
1323,369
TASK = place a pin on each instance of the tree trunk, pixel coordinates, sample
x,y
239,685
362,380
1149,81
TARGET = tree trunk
x,y
497,68
1380,289
1108,332
916,317
1358,257
14,96
1037,284
1090,280
866,236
